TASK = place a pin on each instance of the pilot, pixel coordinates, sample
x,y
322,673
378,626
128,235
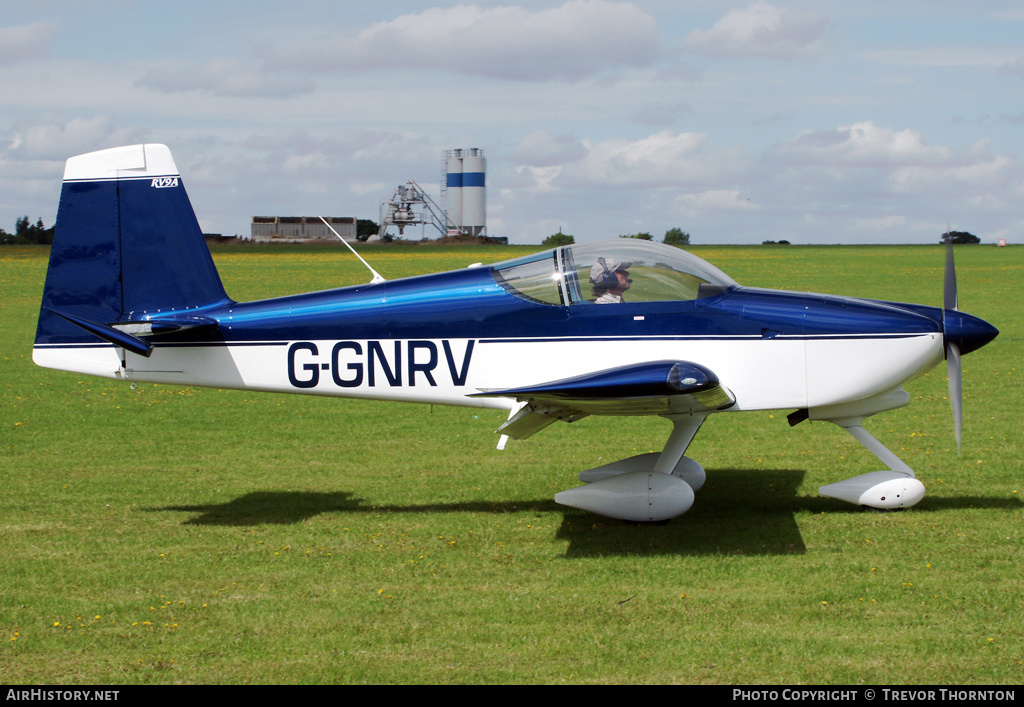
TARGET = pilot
x,y
610,279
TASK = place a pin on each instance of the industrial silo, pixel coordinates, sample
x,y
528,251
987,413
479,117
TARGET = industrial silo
x,y
453,186
474,194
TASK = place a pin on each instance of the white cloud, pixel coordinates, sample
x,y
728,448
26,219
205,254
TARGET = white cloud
x,y
543,149
542,176
863,144
371,189
25,42
881,223
661,114
987,201
943,56
578,39
663,162
901,160
760,30
987,172
225,77
56,140
1014,68
714,200
567,97
353,150
876,182
664,159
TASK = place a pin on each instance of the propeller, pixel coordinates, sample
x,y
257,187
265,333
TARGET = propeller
x,y
949,304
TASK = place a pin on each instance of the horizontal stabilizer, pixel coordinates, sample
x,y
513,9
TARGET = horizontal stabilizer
x,y
155,327
111,335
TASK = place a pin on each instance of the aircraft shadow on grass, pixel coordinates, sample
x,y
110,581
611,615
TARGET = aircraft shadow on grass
x,y
742,512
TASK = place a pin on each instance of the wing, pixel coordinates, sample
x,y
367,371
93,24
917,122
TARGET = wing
x,y
657,388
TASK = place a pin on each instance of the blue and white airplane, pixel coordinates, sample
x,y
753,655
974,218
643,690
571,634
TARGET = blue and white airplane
x,y
132,294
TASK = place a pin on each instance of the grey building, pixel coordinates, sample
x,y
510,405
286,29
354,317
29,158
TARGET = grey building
x,y
300,229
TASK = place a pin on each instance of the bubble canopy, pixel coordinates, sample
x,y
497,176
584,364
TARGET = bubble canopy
x,y
573,275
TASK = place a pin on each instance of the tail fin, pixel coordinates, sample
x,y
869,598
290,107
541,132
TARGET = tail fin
x,y
126,247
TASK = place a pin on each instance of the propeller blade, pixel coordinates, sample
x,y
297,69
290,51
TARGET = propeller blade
x,y
955,390
953,371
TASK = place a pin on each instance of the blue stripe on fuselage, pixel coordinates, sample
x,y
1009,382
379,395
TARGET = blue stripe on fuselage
x,y
469,304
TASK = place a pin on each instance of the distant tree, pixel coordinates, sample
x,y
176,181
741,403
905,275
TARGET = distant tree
x,y
641,236
959,237
677,236
558,239
366,228
27,233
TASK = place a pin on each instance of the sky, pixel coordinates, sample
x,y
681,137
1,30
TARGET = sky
x,y
739,122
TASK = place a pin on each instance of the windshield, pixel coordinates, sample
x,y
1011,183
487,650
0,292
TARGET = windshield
x,y
611,271
654,272
535,277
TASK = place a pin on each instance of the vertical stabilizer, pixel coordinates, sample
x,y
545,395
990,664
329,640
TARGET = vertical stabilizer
x,y
126,246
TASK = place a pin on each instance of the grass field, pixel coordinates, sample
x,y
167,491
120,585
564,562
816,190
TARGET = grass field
x,y
185,535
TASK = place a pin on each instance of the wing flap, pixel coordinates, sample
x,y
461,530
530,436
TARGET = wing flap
x,y
530,419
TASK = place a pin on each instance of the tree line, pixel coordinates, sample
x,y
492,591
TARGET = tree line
x,y
673,236
677,236
27,233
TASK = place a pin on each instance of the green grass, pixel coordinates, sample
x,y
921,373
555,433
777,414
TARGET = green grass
x,y
165,535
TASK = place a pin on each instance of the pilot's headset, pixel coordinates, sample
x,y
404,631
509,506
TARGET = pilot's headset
x,y
609,280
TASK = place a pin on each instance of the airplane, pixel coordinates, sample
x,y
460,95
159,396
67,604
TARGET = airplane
x,y
132,294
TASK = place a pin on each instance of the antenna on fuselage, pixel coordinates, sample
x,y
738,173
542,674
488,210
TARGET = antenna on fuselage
x,y
377,277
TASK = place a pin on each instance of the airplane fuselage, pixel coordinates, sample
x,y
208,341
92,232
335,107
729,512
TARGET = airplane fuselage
x,y
395,341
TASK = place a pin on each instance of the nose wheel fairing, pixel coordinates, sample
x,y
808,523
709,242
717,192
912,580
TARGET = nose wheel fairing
x,y
890,489
884,490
